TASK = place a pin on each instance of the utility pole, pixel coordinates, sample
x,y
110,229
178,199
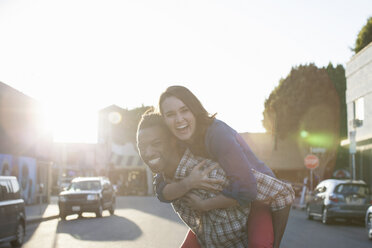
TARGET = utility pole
x,y
352,151
352,147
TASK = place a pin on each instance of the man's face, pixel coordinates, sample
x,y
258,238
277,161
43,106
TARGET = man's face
x,y
155,148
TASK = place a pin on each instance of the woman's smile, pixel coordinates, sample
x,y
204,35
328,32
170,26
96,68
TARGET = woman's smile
x,y
179,119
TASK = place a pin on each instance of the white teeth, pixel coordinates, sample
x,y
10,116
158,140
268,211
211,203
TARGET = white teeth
x,y
154,161
181,127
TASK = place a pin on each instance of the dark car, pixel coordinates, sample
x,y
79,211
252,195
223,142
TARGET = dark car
x,y
369,222
12,212
341,199
87,194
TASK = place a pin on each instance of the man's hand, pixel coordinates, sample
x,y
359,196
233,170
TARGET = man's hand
x,y
198,178
195,202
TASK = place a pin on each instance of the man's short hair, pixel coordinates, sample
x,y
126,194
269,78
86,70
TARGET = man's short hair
x,y
151,119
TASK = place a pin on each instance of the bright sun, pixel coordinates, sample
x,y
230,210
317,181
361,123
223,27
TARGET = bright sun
x,y
71,123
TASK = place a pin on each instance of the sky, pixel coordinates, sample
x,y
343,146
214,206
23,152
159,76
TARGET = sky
x,y
78,56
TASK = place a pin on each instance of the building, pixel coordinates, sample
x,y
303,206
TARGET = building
x,y
25,143
359,112
285,158
116,135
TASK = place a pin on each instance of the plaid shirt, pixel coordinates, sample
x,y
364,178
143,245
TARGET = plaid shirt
x,y
226,227
278,193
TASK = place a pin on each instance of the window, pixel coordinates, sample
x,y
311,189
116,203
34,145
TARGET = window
x,y
130,160
16,189
5,190
358,109
352,189
85,185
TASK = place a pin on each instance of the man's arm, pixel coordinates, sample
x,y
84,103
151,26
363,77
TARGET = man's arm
x,y
198,179
175,190
219,201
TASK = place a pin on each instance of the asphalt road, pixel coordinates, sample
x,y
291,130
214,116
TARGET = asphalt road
x,y
304,233
138,222
145,222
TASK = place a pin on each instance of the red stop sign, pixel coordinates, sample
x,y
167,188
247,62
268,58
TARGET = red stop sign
x,y
311,161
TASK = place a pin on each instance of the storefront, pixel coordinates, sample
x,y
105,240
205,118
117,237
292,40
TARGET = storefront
x,y
33,176
130,175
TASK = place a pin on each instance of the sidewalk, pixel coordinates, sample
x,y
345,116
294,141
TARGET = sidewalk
x,y
37,213
296,204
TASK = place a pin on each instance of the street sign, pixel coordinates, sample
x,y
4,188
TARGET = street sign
x,y
318,149
311,161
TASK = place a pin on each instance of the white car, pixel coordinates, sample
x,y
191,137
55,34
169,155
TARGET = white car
x,y
339,199
63,183
369,222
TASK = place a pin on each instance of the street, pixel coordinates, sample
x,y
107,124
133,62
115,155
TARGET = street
x,y
304,233
145,222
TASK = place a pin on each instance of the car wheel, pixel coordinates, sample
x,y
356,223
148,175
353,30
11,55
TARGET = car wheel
x,y
309,216
99,211
325,219
20,235
112,208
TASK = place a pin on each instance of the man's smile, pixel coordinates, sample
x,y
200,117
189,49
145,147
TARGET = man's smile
x,y
154,161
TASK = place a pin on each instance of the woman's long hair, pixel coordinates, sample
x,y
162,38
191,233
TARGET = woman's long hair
x,y
203,118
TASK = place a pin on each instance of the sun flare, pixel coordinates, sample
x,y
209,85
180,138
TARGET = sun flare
x,y
69,123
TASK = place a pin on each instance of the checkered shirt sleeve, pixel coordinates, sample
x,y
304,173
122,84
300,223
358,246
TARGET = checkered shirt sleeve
x,y
216,228
279,193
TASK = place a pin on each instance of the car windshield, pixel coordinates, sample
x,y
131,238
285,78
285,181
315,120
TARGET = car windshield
x,y
85,185
350,189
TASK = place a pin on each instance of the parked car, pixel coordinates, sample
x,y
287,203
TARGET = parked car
x,y
63,183
369,222
87,194
12,212
335,198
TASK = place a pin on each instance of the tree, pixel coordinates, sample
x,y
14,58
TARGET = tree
x,y
305,87
364,36
337,75
309,107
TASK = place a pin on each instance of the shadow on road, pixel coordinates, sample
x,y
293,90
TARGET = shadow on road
x,y
111,228
342,222
354,223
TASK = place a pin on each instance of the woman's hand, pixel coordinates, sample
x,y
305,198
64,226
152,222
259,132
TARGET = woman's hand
x,y
198,178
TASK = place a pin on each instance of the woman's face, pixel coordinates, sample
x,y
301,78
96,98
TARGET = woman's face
x,y
178,117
